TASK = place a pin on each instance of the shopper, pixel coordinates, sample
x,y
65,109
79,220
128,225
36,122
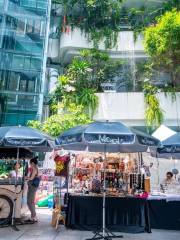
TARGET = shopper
x,y
33,184
16,173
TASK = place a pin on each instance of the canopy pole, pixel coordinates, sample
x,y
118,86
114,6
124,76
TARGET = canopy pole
x,y
15,197
17,158
104,193
139,162
158,180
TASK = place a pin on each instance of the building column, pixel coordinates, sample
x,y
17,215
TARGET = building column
x,y
41,95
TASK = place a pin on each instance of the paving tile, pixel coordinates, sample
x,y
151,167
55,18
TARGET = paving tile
x,y
44,231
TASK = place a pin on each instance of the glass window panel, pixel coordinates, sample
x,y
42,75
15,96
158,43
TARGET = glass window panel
x,y
36,63
30,98
1,41
30,47
37,82
37,48
34,26
28,3
1,18
8,42
12,98
3,80
1,3
26,100
13,81
42,5
35,99
1,60
43,28
21,26
19,47
31,86
18,62
5,60
37,26
29,27
11,22
27,63
23,85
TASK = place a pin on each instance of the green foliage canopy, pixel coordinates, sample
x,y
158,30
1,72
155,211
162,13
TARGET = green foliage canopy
x,y
162,43
84,76
65,119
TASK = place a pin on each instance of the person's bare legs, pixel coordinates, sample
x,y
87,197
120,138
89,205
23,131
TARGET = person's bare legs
x,y
31,201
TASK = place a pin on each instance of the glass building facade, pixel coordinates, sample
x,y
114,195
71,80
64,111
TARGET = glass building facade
x,y
23,43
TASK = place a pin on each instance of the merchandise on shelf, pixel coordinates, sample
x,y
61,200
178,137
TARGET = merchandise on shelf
x,y
122,174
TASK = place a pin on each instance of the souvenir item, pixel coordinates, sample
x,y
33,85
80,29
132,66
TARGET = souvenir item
x,y
62,165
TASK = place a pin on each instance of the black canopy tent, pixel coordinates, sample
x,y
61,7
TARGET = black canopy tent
x,y
26,138
105,137
170,147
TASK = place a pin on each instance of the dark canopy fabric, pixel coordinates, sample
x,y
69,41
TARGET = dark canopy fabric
x,y
170,148
12,153
25,137
105,136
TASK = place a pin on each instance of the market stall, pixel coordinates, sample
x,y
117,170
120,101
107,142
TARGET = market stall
x,y
132,204
110,137
125,177
20,137
11,188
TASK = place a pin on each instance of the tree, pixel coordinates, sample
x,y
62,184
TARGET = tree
x,y
83,78
162,43
58,123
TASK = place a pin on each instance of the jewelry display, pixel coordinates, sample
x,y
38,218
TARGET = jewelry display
x,y
122,175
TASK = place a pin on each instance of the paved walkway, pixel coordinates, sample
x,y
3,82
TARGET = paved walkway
x,y
44,231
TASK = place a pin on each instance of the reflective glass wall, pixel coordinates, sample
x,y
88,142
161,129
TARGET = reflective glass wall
x,y
23,27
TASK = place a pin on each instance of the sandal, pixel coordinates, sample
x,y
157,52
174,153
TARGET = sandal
x,y
30,221
35,220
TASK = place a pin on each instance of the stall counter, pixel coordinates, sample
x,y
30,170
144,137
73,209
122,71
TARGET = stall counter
x,y
122,213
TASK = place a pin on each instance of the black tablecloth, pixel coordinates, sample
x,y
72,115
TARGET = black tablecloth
x,y
122,214
164,215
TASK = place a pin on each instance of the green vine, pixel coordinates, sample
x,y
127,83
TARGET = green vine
x,y
154,114
143,17
98,19
101,20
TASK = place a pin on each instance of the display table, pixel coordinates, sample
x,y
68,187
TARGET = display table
x,y
164,214
122,214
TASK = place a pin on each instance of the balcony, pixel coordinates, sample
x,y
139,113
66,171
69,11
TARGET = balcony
x,y
130,108
71,43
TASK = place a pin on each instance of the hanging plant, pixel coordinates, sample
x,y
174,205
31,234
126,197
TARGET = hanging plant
x,y
153,113
85,98
94,17
88,99
83,14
